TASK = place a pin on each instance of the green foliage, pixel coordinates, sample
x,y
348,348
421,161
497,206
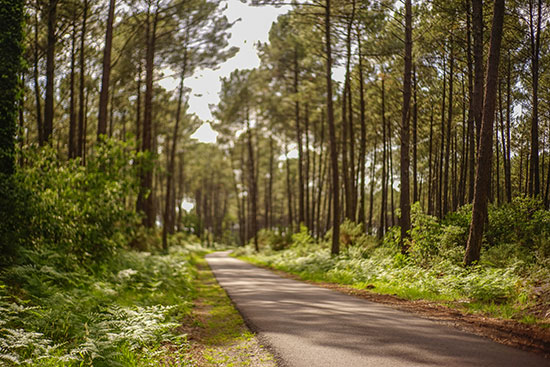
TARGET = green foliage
x,y
274,239
123,310
523,222
77,210
11,48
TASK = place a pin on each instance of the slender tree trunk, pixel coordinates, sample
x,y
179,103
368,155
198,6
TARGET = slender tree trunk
x,y
335,248
405,201
472,142
36,74
307,164
477,27
352,211
415,139
440,191
383,206
288,189
50,71
301,199
483,171
81,135
253,185
104,94
430,166
508,173
169,212
534,175
72,112
371,196
363,140
448,141
323,163
145,199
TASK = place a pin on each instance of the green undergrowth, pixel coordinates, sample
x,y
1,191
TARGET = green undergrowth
x,y
123,313
512,279
220,337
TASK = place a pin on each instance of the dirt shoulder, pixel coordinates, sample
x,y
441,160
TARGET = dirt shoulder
x,y
509,332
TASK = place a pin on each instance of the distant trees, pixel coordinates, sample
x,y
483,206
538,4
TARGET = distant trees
x,y
345,118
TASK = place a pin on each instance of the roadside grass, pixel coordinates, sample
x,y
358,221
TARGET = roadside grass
x,y
216,331
506,291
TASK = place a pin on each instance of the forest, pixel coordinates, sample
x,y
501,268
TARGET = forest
x,y
398,146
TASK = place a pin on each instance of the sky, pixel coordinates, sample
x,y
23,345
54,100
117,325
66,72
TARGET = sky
x,y
205,84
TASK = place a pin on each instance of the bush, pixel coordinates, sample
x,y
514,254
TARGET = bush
x,y
77,210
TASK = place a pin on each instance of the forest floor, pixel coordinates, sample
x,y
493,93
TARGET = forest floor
x,y
528,337
216,332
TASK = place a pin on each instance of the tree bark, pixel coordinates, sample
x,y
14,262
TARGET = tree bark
x,y
405,201
534,175
483,169
335,246
363,139
81,135
50,70
477,27
145,198
104,94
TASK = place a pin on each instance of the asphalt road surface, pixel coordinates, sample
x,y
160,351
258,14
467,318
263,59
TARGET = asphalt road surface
x,y
308,326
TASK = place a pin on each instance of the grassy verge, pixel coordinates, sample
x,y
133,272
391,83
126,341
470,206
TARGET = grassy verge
x,y
216,332
502,292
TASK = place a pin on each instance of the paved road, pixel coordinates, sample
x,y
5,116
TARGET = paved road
x,y
309,326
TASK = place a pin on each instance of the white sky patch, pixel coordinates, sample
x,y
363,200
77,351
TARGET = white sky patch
x,y
187,205
254,26
205,134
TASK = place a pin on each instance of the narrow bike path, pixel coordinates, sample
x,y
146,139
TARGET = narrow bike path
x,y
309,326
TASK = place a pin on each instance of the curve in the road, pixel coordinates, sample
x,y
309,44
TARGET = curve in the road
x,y
309,326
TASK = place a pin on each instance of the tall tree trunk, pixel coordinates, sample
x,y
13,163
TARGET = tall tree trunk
x,y
383,206
307,166
363,139
430,165
104,94
36,74
483,170
288,189
72,113
81,135
508,173
415,138
449,123
50,70
371,195
301,199
472,142
145,198
169,208
477,27
253,186
441,146
405,200
335,247
323,163
534,175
